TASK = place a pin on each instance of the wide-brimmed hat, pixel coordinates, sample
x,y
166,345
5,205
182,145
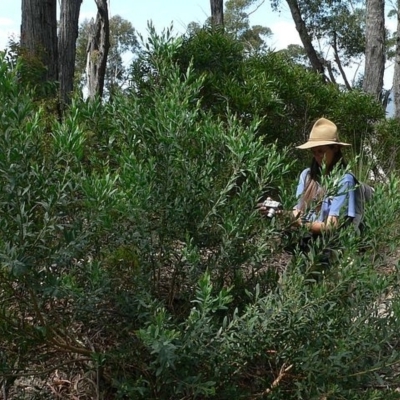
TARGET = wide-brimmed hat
x,y
324,132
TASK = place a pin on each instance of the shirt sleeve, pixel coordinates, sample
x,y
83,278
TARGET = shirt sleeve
x,y
345,196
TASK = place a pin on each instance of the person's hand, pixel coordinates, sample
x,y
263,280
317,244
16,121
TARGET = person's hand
x,y
261,207
264,209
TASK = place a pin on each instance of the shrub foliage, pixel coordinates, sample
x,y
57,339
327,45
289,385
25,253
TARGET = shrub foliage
x,y
135,266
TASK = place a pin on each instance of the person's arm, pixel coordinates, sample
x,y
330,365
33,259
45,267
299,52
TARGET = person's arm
x,y
345,196
295,211
317,227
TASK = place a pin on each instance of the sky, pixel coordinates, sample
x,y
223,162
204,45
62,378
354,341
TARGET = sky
x,y
161,13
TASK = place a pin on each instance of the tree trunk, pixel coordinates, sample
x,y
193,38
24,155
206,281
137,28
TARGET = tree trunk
x,y
374,48
396,73
305,38
68,34
217,12
39,35
97,51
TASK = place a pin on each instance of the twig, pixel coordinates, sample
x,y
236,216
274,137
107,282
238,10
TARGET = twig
x,y
56,339
252,12
275,383
4,391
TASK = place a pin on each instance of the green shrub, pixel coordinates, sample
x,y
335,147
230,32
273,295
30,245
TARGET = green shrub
x,y
134,263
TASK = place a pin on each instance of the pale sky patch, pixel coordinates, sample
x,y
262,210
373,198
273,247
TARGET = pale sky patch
x,y
9,28
284,34
87,15
7,22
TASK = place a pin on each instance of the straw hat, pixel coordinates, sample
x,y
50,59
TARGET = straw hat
x,y
324,132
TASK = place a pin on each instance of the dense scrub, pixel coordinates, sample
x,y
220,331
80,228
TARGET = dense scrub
x,y
135,266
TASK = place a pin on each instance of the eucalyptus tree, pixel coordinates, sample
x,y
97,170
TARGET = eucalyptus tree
x,y
68,34
332,34
237,24
396,71
123,46
343,33
217,12
39,36
97,50
305,36
375,48
42,45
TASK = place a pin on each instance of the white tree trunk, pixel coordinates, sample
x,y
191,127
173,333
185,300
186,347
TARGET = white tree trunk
x,y
97,50
396,73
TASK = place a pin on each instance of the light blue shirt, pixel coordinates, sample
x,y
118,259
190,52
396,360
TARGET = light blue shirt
x,y
343,204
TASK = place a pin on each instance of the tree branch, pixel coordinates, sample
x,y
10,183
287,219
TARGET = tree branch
x,y
252,12
338,62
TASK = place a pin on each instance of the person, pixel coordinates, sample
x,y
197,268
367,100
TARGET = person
x,y
316,209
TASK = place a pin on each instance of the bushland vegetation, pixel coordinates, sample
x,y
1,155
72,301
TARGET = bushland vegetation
x,y
134,264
